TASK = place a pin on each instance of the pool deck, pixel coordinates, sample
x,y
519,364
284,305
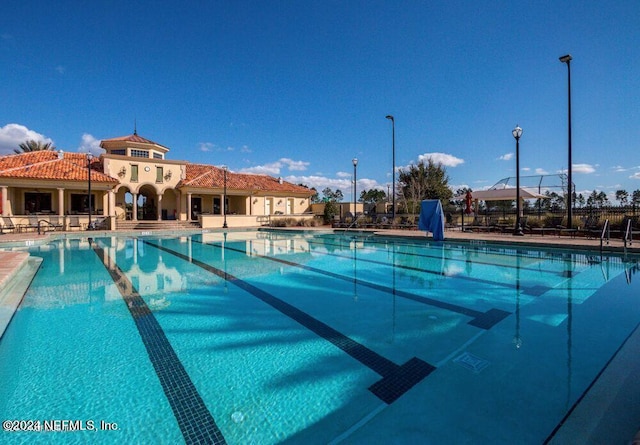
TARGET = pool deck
x,y
595,419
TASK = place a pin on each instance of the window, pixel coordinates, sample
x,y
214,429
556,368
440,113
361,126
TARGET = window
x,y
139,153
120,151
157,155
134,173
80,203
159,174
37,202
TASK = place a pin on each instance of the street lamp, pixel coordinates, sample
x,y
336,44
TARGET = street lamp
x,y
224,199
393,170
355,187
89,159
567,59
517,132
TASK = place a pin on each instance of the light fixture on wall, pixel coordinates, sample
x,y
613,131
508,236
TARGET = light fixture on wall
x,y
122,172
255,200
167,176
280,202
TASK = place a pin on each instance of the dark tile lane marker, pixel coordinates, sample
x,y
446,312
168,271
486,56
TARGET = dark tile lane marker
x,y
396,379
483,320
194,419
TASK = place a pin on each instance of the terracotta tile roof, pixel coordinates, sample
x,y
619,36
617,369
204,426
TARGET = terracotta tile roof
x,y
209,176
49,165
133,138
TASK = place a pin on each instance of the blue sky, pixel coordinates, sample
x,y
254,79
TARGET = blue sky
x,y
299,88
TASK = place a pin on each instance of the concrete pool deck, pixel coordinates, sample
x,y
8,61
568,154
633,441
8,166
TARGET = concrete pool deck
x,y
609,412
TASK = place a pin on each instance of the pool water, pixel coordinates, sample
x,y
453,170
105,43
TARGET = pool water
x,y
269,337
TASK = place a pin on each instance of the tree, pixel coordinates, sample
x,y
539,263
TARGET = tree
x,y
424,181
622,196
33,145
597,199
331,196
635,197
372,196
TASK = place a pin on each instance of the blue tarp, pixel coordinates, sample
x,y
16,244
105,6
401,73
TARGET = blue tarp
x,y
432,218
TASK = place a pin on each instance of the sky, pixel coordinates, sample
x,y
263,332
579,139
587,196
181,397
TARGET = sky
x,y
298,88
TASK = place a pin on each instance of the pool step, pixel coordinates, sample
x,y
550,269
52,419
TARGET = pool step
x,y
15,285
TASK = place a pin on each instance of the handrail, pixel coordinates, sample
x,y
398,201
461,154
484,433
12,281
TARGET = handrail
x,y
605,232
628,234
355,220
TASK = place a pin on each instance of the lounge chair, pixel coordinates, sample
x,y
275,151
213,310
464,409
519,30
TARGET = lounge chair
x,y
54,221
99,223
32,224
74,222
590,228
8,225
553,224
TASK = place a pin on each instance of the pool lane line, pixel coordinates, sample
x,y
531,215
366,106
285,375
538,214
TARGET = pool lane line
x,y
534,291
396,379
194,419
483,320
459,260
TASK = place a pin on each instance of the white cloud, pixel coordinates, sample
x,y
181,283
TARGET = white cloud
x,y
90,144
583,168
205,146
12,135
344,175
294,165
506,157
60,69
445,159
245,149
541,171
580,168
636,175
274,168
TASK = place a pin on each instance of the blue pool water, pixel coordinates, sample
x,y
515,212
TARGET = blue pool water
x,y
267,337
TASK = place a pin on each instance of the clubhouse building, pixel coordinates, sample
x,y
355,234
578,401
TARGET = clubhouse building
x,y
134,182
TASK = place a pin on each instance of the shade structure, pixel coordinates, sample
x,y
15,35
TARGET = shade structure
x,y
506,194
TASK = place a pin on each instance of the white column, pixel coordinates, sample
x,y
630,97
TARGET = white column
x,y
112,203
60,202
134,217
159,206
5,207
188,206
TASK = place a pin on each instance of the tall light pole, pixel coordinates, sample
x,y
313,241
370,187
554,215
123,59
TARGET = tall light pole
x,y
567,59
393,170
89,159
355,187
517,132
224,198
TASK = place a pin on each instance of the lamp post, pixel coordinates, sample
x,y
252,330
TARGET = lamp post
x,y
517,132
355,186
567,59
224,198
89,159
393,170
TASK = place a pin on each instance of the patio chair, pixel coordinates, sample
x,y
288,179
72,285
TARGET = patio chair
x,y
32,224
98,224
74,222
54,221
8,225
590,228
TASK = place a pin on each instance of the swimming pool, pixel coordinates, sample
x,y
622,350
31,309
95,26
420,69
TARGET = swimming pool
x,y
272,337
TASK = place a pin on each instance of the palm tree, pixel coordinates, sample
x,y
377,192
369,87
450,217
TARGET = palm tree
x,y
33,145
